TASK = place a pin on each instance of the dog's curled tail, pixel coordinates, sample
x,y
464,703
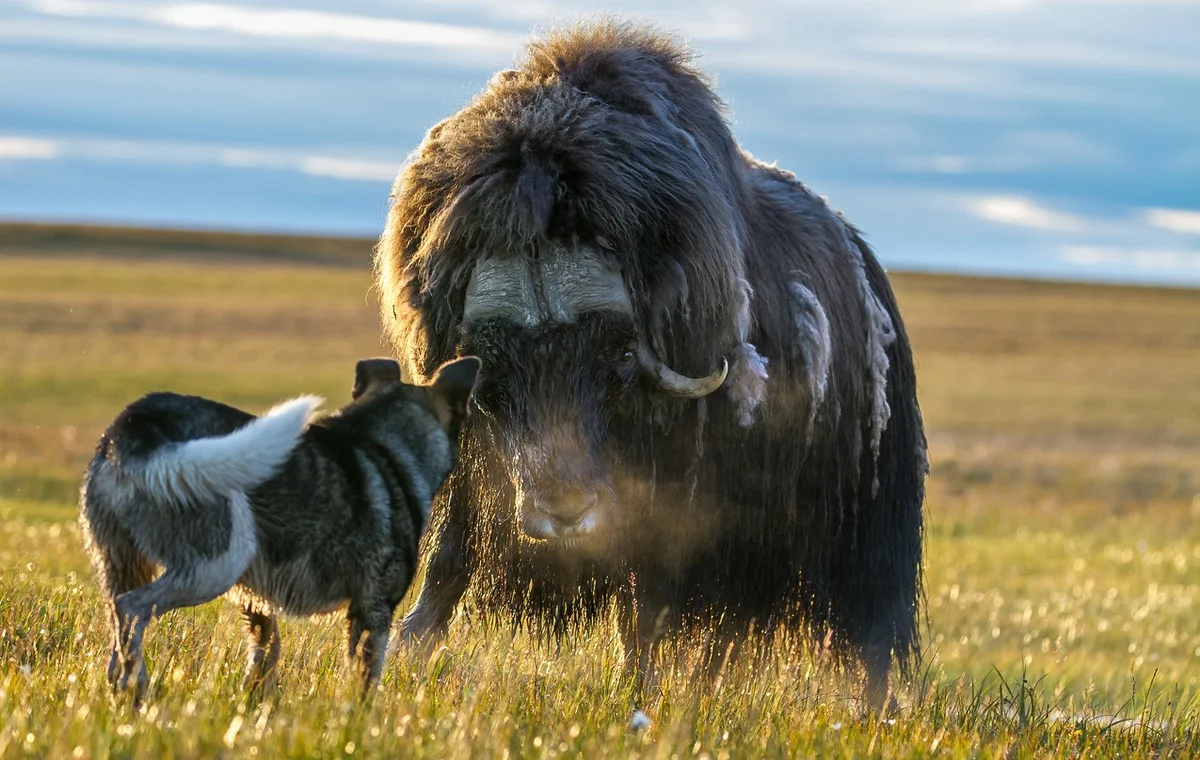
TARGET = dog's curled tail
x,y
207,468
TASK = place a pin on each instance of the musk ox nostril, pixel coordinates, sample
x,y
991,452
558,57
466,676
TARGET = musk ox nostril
x,y
566,506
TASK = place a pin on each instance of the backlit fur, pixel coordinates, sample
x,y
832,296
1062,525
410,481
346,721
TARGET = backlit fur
x,y
791,496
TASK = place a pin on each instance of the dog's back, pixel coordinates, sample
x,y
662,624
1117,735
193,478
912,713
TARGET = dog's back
x,y
159,419
166,467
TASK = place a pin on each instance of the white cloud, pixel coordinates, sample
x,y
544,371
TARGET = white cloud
x,y
1020,211
182,154
25,148
261,22
763,36
349,169
1163,259
1174,220
943,163
1060,53
1017,151
1146,238
288,23
316,165
1109,2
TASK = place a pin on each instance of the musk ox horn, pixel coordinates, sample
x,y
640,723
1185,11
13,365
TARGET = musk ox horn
x,y
670,381
571,281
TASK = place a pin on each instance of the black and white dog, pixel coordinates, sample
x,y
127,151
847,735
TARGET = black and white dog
x,y
284,513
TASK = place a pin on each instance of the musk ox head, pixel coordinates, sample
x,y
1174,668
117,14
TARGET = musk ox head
x,y
577,227
574,362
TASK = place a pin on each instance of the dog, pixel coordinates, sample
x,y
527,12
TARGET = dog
x,y
286,512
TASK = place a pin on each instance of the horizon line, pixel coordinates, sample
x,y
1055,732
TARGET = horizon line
x,y
1099,279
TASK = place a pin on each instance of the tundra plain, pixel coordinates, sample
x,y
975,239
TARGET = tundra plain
x,y
1063,532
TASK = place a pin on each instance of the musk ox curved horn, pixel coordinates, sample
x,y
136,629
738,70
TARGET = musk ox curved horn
x,y
670,381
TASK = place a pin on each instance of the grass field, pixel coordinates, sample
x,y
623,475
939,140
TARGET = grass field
x,y
1063,549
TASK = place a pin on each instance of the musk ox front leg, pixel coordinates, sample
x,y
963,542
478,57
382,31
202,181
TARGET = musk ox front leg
x,y
644,611
448,557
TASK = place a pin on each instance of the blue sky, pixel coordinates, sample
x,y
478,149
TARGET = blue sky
x,y
1052,138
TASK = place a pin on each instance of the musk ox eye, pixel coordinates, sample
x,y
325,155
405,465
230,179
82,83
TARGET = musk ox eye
x,y
626,365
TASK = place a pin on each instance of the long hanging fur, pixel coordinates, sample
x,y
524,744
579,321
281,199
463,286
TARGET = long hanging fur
x,y
791,496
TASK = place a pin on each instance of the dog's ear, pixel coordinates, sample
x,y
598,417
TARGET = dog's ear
x,y
374,373
450,391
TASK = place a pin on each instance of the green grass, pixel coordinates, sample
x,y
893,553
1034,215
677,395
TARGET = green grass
x,y
1063,550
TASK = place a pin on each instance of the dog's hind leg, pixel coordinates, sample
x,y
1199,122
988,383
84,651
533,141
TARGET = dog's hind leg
x,y
182,584
121,568
262,630
119,565
355,630
369,625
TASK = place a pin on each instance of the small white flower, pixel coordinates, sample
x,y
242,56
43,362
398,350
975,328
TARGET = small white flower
x,y
836,726
639,721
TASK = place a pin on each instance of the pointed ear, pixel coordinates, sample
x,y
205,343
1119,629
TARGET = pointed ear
x,y
450,391
372,373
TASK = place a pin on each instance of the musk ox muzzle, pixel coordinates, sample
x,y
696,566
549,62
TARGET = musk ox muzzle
x,y
563,485
554,511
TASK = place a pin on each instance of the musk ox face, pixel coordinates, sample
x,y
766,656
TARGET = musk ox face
x,y
568,383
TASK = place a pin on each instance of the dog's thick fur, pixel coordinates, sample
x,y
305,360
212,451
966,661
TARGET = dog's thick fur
x,y
283,512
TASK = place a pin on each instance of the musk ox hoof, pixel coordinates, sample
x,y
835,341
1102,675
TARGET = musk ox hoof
x,y
420,636
881,704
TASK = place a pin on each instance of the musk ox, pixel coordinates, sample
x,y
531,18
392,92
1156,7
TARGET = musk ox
x,y
698,397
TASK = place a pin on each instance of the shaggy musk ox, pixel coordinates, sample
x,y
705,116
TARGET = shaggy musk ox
x,y
698,397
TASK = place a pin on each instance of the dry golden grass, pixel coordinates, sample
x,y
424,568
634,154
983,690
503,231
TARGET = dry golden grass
x,y
1063,553
1055,361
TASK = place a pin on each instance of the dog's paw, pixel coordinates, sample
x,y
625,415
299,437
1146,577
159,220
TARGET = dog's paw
x,y
128,678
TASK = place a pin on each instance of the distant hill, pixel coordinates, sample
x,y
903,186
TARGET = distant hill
x,y
32,239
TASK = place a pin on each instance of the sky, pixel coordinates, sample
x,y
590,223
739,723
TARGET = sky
x,y
1046,138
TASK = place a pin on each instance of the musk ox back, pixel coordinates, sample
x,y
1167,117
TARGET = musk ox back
x,y
698,394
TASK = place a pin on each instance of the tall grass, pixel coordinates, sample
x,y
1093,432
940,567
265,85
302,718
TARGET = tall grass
x,y
1063,555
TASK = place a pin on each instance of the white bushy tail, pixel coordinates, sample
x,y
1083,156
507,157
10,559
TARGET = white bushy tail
x,y
207,468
